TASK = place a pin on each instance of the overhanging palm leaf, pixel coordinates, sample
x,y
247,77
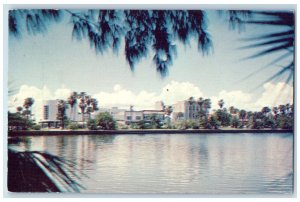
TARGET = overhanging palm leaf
x,y
280,42
35,171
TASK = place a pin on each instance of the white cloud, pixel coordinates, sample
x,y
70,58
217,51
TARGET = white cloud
x,y
273,94
39,95
237,99
178,91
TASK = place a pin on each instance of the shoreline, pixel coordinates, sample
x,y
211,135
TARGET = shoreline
x,y
136,131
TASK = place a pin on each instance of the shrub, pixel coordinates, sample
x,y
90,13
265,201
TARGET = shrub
x,y
73,126
105,121
36,127
92,124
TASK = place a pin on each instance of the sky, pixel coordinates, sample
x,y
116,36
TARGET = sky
x,y
51,65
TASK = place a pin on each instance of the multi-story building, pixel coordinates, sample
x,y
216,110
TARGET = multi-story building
x,y
50,112
185,110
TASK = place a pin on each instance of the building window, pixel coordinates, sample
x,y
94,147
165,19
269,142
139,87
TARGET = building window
x,y
138,118
129,118
46,112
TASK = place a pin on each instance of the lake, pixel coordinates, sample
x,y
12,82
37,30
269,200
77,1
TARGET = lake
x,y
176,163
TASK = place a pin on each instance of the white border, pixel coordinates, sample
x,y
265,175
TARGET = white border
x,y
213,4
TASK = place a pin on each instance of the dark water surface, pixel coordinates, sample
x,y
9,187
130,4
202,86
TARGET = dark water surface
x,y
177,163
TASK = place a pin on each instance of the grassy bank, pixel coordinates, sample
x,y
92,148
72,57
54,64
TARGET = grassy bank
x,y
148,131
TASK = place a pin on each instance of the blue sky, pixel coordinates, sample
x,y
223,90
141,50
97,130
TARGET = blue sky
x,y
56,61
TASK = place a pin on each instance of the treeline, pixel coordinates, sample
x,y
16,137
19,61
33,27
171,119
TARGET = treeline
x,y
278,117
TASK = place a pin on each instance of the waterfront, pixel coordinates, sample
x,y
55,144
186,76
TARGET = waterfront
x,y
176,163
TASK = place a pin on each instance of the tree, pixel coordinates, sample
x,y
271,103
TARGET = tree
x,y
265,110
72,101
159,30
19,110
17,122
235,122
282,109
61,112
207,105
275,111
221,103
28,102
82,105
223,117
213,123
105,121
242,115
142,30
200,102
180,115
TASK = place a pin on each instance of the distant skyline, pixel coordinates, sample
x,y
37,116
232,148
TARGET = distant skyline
x,y
51,65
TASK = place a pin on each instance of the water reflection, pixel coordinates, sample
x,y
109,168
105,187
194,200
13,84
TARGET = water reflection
x,y
190,163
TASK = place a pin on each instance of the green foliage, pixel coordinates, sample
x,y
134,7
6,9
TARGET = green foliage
x,y
223,117
213,123
269,122
73,126
18,122
92,124
285,122
257,124
203,122
36,127
105,121
61,112
235,123
192,124
155,121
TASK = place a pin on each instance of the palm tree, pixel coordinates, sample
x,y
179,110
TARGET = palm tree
x,y
265,110
94,104
282,109
288,108
82,106
28,102
61,112
275,111
231,110
207,105
72,100
19,109
200,102
168,110
191,102
89,110
221,103
242,115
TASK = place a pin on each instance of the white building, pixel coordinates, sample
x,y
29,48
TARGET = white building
x,y
50,112
159,105
189,111
145,115
117,114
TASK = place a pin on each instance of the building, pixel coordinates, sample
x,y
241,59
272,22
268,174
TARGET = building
x,y
159,105
132,116
49,114
184,110
50,111
117,114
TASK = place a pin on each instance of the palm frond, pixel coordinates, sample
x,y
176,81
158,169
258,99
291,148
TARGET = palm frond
x,y
281,41
33,171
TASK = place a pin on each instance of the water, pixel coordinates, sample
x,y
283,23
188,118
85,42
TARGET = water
x,y
177,163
